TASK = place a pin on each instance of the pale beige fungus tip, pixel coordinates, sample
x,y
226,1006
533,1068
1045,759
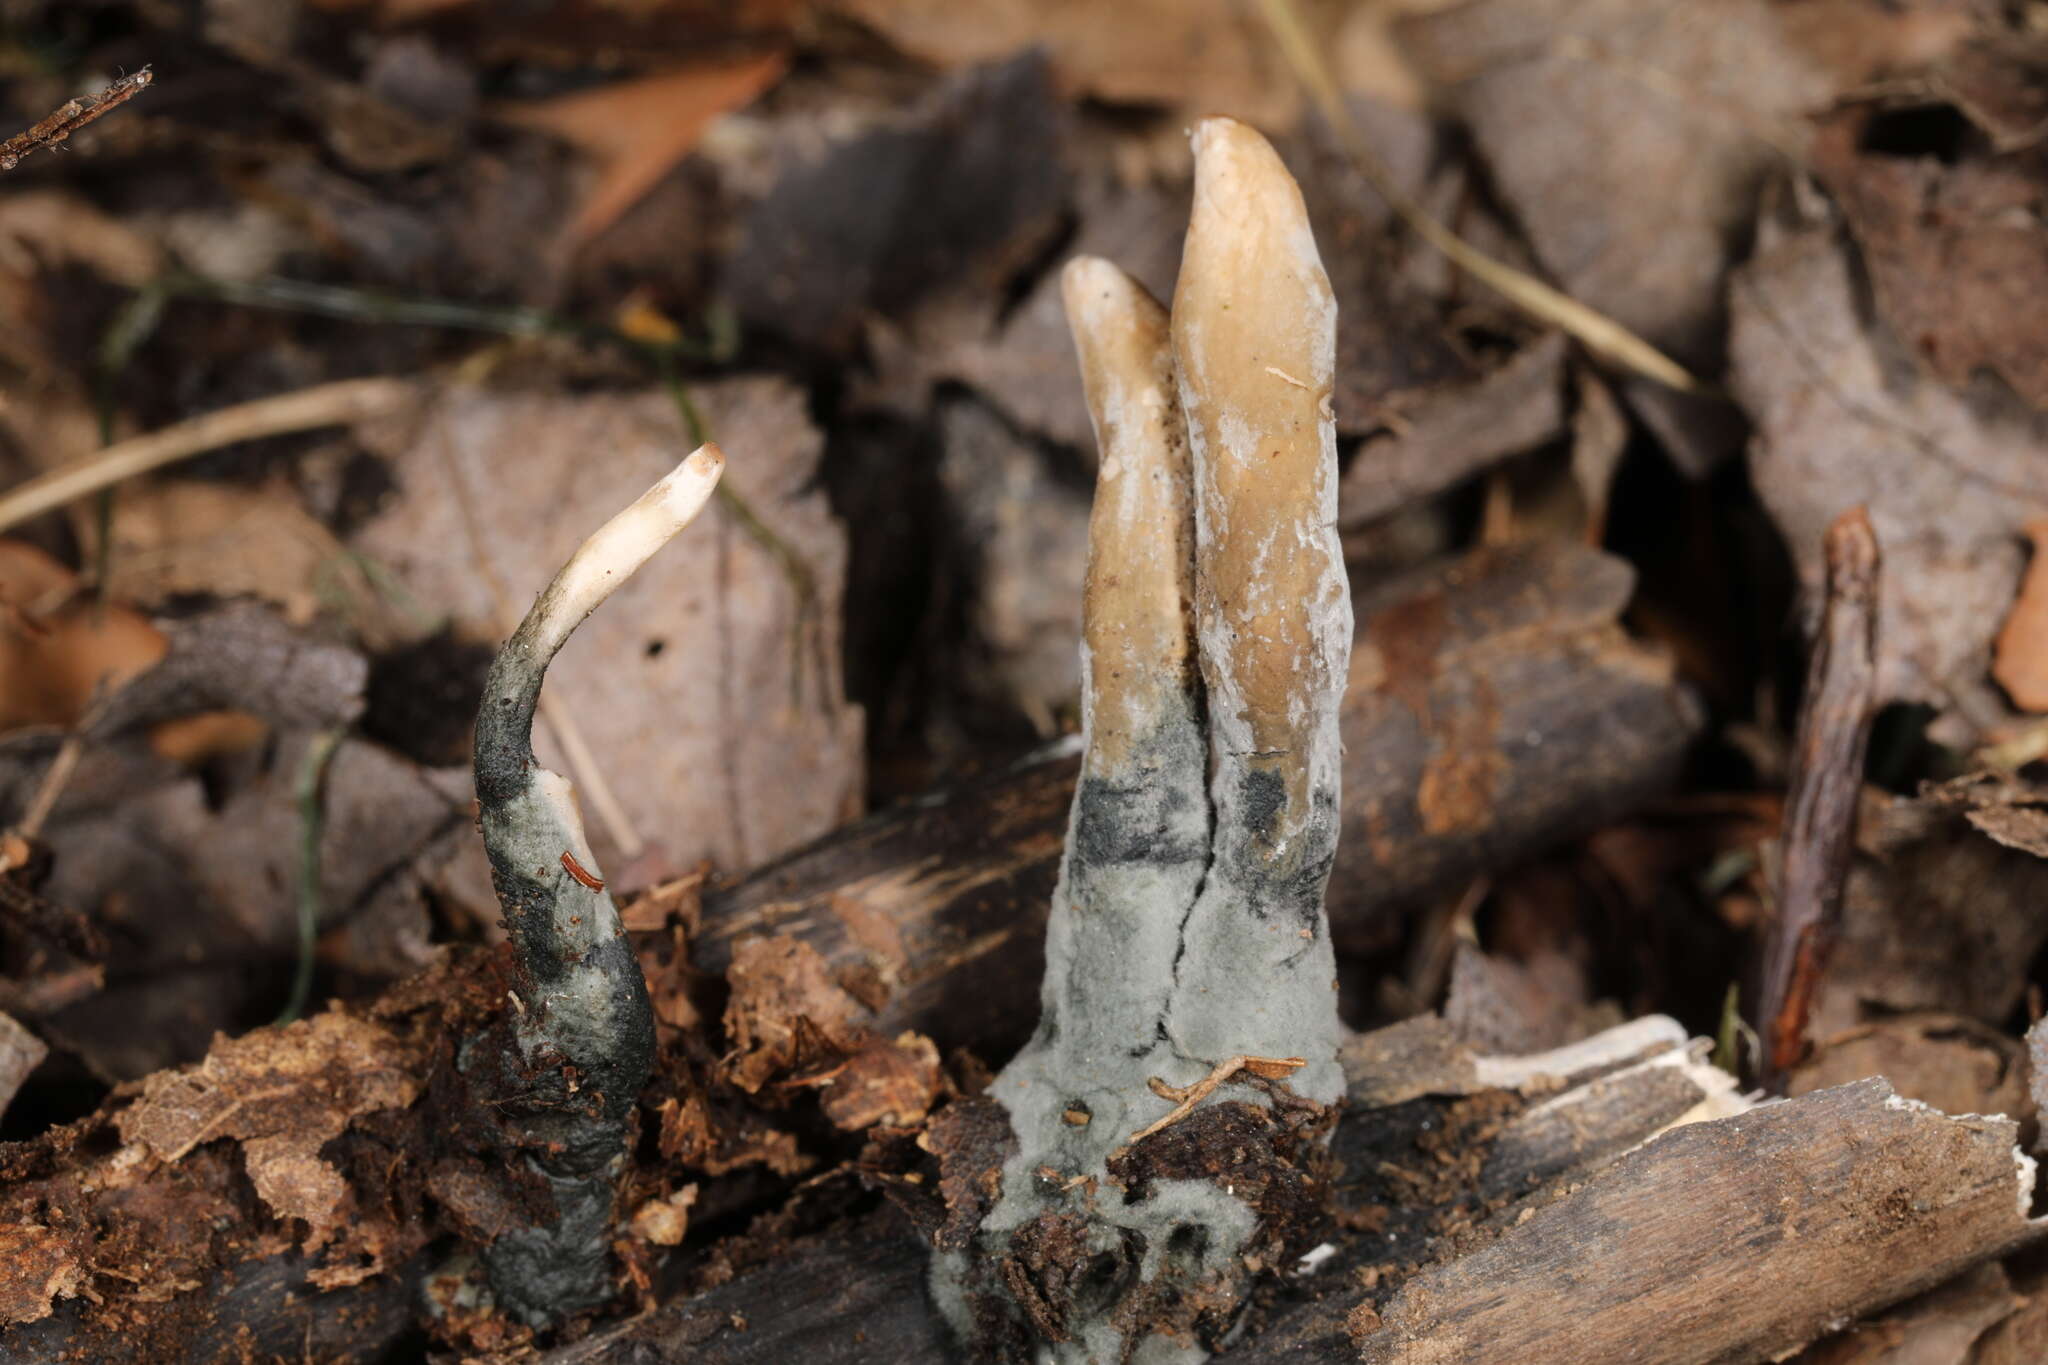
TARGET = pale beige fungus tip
x,y
1254,335
1138,613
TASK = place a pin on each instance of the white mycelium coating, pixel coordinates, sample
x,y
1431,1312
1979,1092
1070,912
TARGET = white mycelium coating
x,y
1187,931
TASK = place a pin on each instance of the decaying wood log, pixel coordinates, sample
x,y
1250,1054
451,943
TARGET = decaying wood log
x,y
1596,1204
1736,1240
1495,707
1523,1203
1432,1134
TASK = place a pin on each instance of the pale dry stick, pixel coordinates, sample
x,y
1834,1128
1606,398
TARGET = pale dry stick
x,y
1595,330
52,786
324,405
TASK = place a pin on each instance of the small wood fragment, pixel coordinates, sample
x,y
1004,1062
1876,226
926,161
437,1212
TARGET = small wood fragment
x,y
1267,1068
1820,807
71,116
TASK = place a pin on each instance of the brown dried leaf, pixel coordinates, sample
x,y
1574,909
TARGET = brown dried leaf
x,y
1843,416
707,1137
37,1267
283,1093
1454,432
61,650
640,128
935,209
1948,248
785,1007
1181,53
895,1083
1024,534
179,536
2019,659
1938,915
20,1053
1629,142
1957,1065
665,1222
708,688
1508,1008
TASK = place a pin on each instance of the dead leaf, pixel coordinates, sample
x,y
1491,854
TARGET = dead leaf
x,y
1629,142
1456,431
1957,1065
665,1222
1844,416
2019,659
21,1052
37,1267
712,1139
886,1082
60,650
784,1004
1024,535
641,127
1508,1008
1938,916
1179,53
708,687
1027,369
1948,247
2019,1339
1937,1328
283,1093
679,900
951,198
180,536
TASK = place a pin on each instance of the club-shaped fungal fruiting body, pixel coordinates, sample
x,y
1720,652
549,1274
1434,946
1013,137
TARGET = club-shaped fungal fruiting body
x,y
583,1032
1172,1109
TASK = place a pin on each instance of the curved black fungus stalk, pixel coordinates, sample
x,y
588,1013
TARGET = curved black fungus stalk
x,y
584,1030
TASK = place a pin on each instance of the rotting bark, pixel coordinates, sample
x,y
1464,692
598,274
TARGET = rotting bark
x,y
1730,1241
584,1033
1820,801
1495,708
1434,1137
1567,1226
1187,952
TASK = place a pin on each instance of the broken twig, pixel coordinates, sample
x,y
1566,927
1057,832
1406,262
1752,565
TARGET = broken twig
x,y
1187,1097
1820,806
1595,330
71,116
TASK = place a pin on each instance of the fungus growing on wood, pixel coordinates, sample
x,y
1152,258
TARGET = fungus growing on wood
x,y
1189,1011
584,1030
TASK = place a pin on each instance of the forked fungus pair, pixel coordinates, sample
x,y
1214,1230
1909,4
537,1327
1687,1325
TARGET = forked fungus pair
x,y
1169,1112
1187,939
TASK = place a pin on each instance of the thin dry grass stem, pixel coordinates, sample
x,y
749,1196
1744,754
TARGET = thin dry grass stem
x,y
52,786
1595,330
324,405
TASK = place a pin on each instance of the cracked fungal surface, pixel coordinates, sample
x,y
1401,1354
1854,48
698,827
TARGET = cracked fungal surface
x,y
1187,940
